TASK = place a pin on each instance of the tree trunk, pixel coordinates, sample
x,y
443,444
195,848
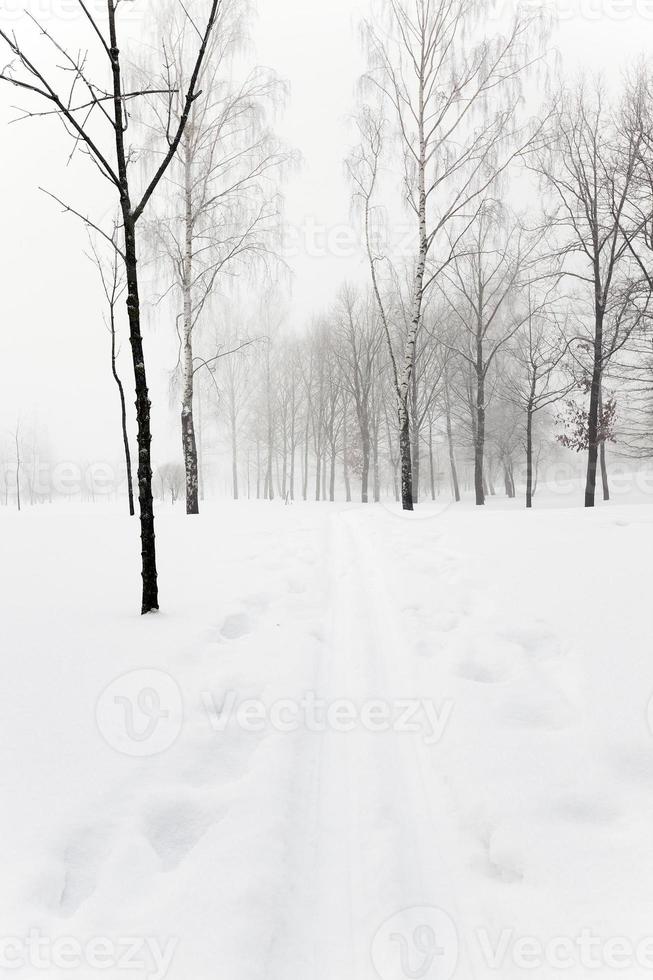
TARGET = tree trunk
x,y
415,453
17,471
332,477
234,455
150,596
365,476
269,479
452,456
415,457
189,444
404,451
375,465
123,414
602,459
529,456
305,473
293,445
345,462
479,444
431,461
593,417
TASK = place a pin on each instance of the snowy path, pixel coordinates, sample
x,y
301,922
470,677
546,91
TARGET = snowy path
x,y
374,850
425,764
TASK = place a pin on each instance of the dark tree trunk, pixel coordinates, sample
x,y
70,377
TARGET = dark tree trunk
x,y
404,451
602,457
604,472
415,458
452,455
150,595
150,598
365,476
479,443
375,465
529,455
345,462
431,461
593,416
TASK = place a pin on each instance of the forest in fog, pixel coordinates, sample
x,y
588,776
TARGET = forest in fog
x,y
326,481
494,332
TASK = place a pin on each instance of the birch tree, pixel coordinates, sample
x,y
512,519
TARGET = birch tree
x,y
453,106
223,207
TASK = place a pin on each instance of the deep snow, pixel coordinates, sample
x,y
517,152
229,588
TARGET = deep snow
x,y
307,835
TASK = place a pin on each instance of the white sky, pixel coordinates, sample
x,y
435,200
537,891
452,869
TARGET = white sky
x,y
53,345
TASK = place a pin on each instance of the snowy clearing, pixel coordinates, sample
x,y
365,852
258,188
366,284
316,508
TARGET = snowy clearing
x,y
356,745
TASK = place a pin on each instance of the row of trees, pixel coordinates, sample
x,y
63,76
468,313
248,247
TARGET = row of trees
x,y
520,294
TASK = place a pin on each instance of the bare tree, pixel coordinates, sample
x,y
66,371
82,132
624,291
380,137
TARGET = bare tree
x,y
481,288
223,207
590,168
171,477
538,380
453,105
109,103
358,352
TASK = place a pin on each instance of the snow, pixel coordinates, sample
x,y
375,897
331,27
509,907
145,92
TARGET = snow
x,y
353,744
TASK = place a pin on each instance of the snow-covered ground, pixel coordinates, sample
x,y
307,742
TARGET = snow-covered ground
x,y
354,744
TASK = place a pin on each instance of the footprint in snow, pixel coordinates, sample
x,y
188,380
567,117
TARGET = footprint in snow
x,y
174,827
235,626
498,862
82,859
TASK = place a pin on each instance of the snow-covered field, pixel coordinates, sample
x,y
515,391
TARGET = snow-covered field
x,y
352,745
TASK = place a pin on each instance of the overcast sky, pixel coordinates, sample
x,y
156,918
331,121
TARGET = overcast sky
x,y
53,346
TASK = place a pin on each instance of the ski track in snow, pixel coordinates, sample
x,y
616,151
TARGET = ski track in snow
x,y
312,840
